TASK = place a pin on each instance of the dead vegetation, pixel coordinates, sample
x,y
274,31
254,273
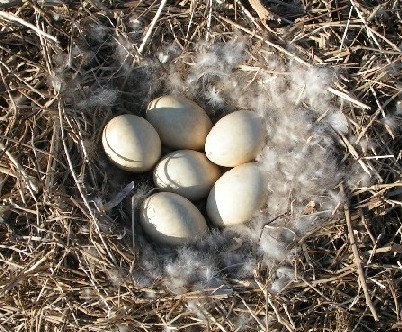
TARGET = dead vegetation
x,y
67,250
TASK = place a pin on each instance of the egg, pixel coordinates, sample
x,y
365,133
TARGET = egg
x,y
131,143
187,173
180,122
237,195
169,218
235,139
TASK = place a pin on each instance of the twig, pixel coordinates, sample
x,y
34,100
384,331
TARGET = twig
x,y
79,187
54,148
354,153
133,219
357,259
151,26
247,13
261,11
364,130
281,320
336,92
277,47
288,324
14,18
377,187
32,187
370,33
349,98
346,30
209,20
251,312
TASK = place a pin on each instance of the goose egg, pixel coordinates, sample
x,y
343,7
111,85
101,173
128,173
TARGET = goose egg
x,y
180,122
169,218
131,143
235,139
187,173
237,195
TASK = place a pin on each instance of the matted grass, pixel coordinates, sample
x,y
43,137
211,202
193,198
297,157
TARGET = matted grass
x,y
67,250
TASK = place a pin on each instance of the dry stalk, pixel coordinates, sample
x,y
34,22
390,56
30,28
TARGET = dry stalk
x,y
14,18
151,26
357,259
77,182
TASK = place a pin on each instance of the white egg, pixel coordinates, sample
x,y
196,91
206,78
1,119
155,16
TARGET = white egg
x,y
180,122
235,139
237,195
169,218
187,173
131,143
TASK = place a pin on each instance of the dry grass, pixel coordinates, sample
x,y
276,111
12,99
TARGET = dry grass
x,y
66,262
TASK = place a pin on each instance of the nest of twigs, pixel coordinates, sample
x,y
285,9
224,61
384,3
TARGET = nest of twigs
x,y
68,251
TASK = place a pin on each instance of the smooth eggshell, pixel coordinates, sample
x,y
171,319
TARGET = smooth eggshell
x,y
235,139
237,195
131,143
180,122
169,218
187,173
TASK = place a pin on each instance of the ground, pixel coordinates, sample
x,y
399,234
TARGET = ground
x,y
70,260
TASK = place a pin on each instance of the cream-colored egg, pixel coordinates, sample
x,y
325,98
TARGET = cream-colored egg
x,y
180,122
131,143
237,195
187,173
169,218
235,139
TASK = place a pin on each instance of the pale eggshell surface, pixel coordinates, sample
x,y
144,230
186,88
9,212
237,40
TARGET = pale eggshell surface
x,y
187,173
237,195
169,218
235,139
180,123
131,143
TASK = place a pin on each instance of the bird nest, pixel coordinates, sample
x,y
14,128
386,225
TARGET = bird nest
x,y
325,251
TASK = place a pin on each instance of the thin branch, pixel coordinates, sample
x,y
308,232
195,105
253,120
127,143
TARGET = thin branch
x,y
14,18
151,26
358,262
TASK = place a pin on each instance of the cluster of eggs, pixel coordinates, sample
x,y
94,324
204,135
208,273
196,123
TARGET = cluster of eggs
x,y
188,174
